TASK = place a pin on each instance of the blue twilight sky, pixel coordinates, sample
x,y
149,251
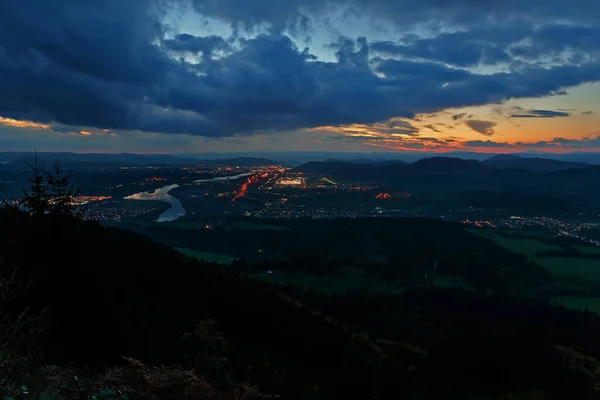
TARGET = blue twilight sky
x,y
270,75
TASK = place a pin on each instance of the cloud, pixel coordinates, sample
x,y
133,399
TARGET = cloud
x,y
591,142
484,127
117,65
460,116
558,38
279,14
397,143
374,138
488,144
541,114
23,124
465,32
461,48
206,46
433,128
393,129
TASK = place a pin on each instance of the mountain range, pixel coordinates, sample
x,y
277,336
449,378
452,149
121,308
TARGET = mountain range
x,y
18,160
441,165
518,184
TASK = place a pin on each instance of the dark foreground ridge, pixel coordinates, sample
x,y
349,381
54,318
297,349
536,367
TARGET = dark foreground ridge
x,y
92,295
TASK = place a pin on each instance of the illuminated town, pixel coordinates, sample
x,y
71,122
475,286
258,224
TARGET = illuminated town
x,y
277,192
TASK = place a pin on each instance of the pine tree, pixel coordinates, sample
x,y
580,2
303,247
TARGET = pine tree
x,y
61,191
37,199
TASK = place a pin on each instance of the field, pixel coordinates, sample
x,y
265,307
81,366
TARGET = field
x,y
349,278
571,267
228,226
517,244
331,255
588,249
582,268
207,256
570,273
191,225
524,233
248,225
578,303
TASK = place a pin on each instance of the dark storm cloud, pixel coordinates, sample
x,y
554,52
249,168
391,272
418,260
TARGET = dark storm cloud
x,y
484,32
462,49
113,64
540,114
552,39
186,43
279,13
484,127
499,43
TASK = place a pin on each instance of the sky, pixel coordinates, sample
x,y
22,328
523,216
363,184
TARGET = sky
x,y
173,76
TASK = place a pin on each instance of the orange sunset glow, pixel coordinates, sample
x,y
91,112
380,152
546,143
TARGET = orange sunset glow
x,y
499,128
14,123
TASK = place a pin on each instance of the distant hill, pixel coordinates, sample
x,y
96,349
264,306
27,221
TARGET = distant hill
x,y
241,162
339,169
511,161
436,166
522,190
18,160
71,160
392,169
445,166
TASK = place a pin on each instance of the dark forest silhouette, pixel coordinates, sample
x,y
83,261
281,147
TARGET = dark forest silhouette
x,y
87,312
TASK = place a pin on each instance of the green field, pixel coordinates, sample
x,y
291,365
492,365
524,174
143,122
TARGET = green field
x,y
183,225
524,233
529,247
582,268
349,278
588,249
207,256
229,226
563,267
247,225
578,303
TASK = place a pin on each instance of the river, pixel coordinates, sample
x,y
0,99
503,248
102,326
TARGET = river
x,y
176,210
225,178
162,194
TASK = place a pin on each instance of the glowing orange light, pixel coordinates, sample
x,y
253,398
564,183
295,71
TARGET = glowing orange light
x,y
23,124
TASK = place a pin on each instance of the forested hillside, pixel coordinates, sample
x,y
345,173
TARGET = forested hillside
x,y
93,295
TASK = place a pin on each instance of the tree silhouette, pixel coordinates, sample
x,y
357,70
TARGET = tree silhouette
x,y
37,198
49,192
61,191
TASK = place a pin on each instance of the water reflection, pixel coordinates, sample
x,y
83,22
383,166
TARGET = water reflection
x,y
174,212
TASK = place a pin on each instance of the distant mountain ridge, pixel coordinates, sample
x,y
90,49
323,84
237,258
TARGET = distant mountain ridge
x,y
511,161
301,157
241,161
434,165
438,165
528,186
20,159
